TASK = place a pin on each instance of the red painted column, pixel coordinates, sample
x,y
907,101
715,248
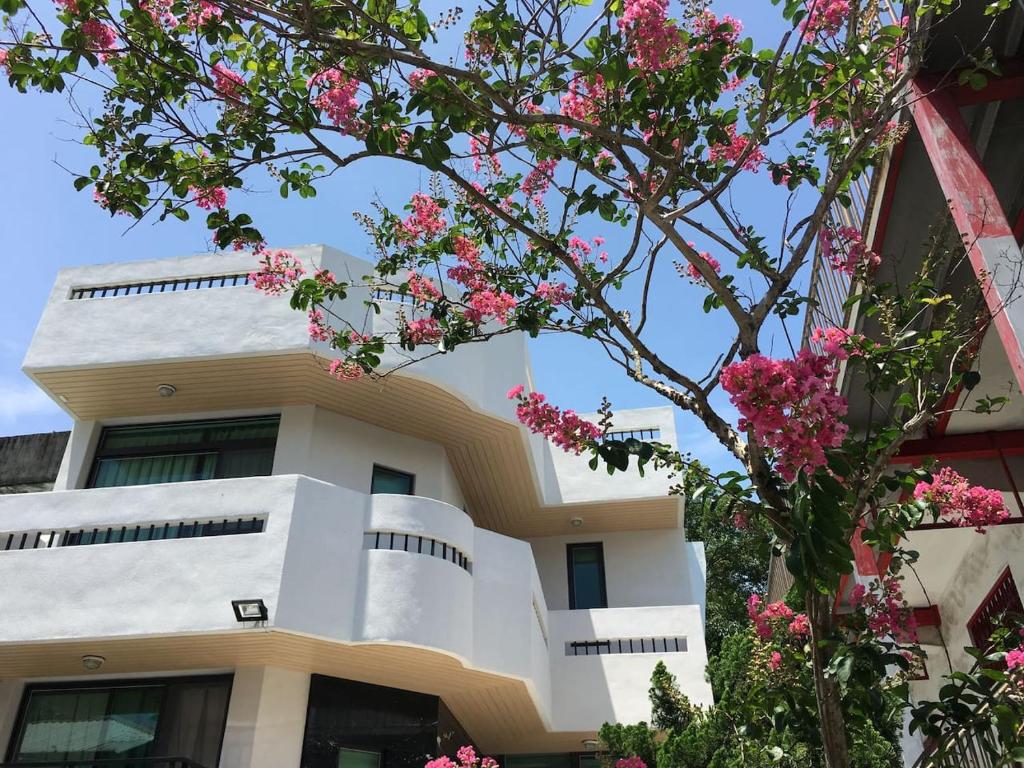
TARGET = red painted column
x,y
977,212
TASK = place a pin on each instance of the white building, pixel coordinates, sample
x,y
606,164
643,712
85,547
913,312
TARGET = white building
x,y
428,573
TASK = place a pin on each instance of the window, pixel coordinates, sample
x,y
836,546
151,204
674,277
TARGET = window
x,y
137,719
391,481
181,451
558,760
586,576
358,758
1002,598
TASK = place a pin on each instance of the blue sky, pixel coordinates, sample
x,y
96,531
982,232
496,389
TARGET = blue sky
x,y
45,224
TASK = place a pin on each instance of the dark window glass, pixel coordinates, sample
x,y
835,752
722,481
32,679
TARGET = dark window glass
x,y
391,481
586,576
344,718
177,452
152,719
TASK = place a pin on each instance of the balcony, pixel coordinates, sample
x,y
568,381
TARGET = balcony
x,y
393,590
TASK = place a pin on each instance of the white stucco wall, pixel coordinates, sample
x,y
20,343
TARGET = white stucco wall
x,y
328,446
266,718
984,561
641,568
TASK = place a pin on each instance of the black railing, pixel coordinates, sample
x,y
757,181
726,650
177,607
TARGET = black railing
x,y
417,545
626,645
160,286
637,434
118,534
383,294
125,762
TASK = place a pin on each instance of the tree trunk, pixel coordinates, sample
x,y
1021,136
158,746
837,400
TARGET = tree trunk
x,y
826,690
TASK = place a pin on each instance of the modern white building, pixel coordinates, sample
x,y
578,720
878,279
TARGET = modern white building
x,y
245,563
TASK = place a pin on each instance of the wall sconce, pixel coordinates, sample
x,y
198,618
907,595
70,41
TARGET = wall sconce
x,y
249,610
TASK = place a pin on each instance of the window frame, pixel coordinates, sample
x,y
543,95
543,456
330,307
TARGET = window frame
x,y
99,454
393,471
131,682
569,549
982,613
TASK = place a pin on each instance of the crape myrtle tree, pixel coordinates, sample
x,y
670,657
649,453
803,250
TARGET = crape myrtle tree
x,y
544,123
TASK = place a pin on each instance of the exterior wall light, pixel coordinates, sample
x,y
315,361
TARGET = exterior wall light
x,y
575,522
590,745
249,610
166,390
92,662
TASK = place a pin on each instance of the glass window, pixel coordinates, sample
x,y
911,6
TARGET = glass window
x,y
586,576
391,481
358,758
136,720
563,760
177,452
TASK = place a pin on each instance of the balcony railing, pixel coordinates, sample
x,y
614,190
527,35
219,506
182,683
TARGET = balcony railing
x,y
118,534
160,286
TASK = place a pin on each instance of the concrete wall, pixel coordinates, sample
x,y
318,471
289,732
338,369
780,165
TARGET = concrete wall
x,y
641,568
30,463
322,444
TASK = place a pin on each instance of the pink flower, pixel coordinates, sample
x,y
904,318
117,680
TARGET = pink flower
x,y
554,294
70,6
515,392
538,180
441,762
735,149
337,99
100,37
209,198
5,60
775,661
691,269
652,39
563,428
754,607
278,270
840,343
845,250
790,407
346,370
425,331
466,755
825,18
960,502
1015,658
800,626
318,328
584,100
426,220
484,300
206,13
887,613
160,12
479,147
423,288
227,83
419,76
630,762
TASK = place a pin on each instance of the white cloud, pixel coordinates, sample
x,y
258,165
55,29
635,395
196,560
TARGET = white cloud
x,y
22,399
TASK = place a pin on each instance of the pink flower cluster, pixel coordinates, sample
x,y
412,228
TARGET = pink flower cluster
x,y
839,343
825,18
694,273
888,614
772,618
584,99
630,762
845,250
735,149
346,370
100,37
1015,658
563,428
203,15
227,83
790,406
318,328
480,147
423,288
538,180
652,39
419,76
337,99
70,6
484,300
424,331
209,198
425,221
479,49
707,24
966,505
278,270
5,60
579,250
554,294
467,759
